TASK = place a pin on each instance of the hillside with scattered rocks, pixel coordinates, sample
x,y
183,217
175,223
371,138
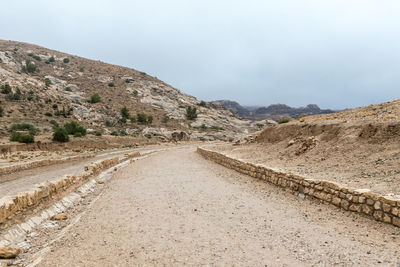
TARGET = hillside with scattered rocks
x,y
39,85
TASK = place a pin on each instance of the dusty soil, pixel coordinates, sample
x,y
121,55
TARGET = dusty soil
x,y
176,208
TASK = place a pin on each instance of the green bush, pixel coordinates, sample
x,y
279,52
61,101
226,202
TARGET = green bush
x,y
60,134
135,92
108,123
148,136
203,127
133,119
6,89
78,134
286,120
216,128
141,118
52,59
191,113
22,137
14,96
24,127
73,128
95,98
111,84
259,125
125,112
115,133
35,56
123,120
47,82
202,104
29,67
66,60
48,114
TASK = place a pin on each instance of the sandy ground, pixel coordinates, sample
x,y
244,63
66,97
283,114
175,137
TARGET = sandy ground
x,y
176,208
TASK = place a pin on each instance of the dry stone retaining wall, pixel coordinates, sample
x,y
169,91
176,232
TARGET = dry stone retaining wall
x,y
362,201
42,193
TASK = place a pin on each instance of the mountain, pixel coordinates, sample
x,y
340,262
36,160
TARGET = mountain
x,y
274,112
41,85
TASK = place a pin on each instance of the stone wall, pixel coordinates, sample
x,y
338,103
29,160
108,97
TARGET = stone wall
x,y
362,201
45,192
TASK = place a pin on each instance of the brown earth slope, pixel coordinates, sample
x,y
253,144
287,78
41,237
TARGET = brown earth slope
x,y
61,85
358,147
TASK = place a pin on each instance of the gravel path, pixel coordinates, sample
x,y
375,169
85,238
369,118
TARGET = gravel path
x,y
176,208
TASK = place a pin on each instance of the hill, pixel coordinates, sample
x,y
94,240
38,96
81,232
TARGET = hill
x,y
273,112
40,85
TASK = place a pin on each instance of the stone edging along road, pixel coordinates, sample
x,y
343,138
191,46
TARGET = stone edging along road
x,y
361,201
39,163
49,191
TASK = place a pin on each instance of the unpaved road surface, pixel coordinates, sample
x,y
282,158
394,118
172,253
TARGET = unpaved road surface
x,y
175,208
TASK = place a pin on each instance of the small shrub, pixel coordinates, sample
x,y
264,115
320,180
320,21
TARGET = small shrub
x,y
1,111
191,113
148,136
14,96
52,59
115,133
29,67
95,98
135,92
35,56
165,119
47,82
123,120
48,114
6,89
73,128
47,62
123,133
22,138
203,127
68,89
285,120
259,125
78,134
97,133
29,98
141,118
66,60
47,101
60,134
217,128
125,112
81,69
133,119
202,104
108,123
24,127
111,84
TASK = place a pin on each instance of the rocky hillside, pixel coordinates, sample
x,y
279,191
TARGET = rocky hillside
x,y
39,85
274,112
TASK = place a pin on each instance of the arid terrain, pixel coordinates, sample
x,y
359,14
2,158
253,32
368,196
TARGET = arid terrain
x,y
127,190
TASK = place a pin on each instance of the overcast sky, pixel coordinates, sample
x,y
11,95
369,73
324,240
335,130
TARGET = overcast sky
x,y
334,53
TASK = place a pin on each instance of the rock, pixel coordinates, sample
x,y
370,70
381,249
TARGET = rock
x,y
100,182
9,252
60,216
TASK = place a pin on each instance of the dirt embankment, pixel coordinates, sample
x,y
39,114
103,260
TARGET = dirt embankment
x,y
361,155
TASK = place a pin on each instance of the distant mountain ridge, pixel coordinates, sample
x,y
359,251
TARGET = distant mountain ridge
x,y
274,111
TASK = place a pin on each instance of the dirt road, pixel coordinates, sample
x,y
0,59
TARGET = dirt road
x,y
176,208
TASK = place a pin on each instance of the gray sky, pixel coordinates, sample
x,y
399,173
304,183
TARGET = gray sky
x,y
334,53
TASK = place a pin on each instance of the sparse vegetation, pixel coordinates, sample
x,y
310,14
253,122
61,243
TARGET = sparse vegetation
x,y
48,114
111,84
1,111
191,113
108,123
66,60
217,128
34,56
60,134
144,119
81,69
135,92
14,96
259,125
285,120
54,123
52,59
95,98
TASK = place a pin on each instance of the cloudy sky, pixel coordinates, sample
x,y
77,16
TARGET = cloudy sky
x,y
334,53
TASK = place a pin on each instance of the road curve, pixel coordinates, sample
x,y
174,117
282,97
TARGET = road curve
x,y
176,208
